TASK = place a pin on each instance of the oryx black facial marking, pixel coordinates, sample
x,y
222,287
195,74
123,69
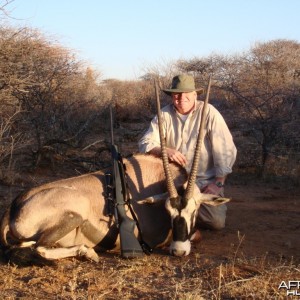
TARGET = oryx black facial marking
x,y
180,230
180,221
178,203
179,224
183,213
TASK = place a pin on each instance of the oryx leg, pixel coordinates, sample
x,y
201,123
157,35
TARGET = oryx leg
x,y
57,253
65,230
50,236
67,223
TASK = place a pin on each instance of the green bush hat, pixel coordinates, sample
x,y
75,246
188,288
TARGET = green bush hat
x,y
182,84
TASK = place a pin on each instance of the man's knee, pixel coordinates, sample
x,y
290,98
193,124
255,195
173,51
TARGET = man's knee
x,y
212,217
218,224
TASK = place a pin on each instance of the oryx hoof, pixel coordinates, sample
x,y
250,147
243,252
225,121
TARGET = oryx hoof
x,y
89,253
196,237
42,251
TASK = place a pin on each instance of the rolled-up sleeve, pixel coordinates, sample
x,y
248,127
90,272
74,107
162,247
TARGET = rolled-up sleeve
x,y
223,148
150,139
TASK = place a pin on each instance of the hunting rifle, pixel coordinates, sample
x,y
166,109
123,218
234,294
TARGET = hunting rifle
x,y
130,246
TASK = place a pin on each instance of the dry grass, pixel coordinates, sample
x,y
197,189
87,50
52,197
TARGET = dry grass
x,y
158,276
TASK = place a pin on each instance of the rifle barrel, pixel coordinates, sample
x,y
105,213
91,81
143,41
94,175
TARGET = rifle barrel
x,y
111,125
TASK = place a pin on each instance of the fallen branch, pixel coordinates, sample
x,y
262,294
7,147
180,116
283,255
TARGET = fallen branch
x,y
93,144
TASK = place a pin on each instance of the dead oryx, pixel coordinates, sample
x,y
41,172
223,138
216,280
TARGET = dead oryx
x,y
69,217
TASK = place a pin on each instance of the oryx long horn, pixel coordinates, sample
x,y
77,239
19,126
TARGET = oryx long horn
x,y
195,165
170,182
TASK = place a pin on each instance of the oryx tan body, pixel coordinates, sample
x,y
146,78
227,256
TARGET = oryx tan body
x,y
70,212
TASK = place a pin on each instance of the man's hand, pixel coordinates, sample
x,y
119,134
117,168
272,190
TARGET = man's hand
x,y
213,189
176,156
173,155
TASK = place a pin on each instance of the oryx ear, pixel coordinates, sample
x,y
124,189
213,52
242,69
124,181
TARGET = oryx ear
x,y
155,198
212,199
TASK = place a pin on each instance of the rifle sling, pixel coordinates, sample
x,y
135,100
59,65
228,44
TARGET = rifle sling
x,y
109,241
127,200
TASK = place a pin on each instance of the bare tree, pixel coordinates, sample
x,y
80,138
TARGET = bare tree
x,y
262,87
131,99
266,88
3,7
57,94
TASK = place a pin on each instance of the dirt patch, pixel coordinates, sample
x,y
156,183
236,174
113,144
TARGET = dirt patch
x,y
261,220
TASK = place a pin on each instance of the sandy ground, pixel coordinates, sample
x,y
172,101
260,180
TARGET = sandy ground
x,y
261,220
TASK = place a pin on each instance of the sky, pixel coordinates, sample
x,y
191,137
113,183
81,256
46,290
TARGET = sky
x,y
122,38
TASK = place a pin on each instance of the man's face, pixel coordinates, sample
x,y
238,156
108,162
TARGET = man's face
x,y
184,102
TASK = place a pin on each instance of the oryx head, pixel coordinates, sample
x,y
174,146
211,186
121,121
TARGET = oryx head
x,y
183,207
